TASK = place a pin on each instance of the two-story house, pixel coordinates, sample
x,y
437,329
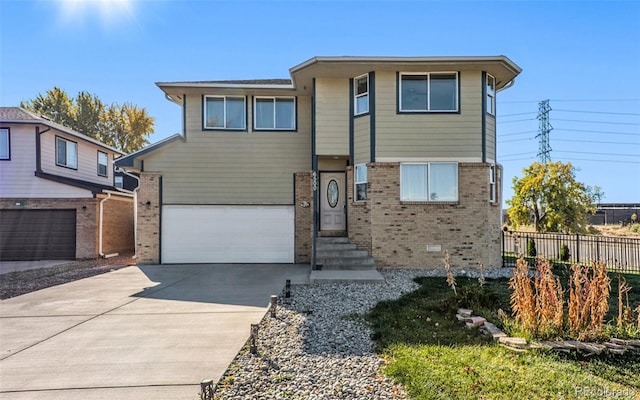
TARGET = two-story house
x,y
397,154
57,193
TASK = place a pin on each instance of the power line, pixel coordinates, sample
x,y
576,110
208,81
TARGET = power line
x,y
572,100
513,115
590,141
597,153
516,140
516,133
597,112
516,154
597,122
517,120
601,160
607,132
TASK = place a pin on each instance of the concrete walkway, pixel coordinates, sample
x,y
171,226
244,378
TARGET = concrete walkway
x,y
149,332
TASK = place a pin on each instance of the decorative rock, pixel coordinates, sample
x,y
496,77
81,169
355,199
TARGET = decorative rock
x,y
515,342
477,321
493,330
465,312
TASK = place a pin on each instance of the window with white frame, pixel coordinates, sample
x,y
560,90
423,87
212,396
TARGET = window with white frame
x,y
429,182
118,181
361,94
360,179
66,153
491,95
493,196
5,144
103,162
274,113
428,92
225,112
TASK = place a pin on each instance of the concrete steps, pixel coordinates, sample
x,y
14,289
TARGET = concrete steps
x,y
338,254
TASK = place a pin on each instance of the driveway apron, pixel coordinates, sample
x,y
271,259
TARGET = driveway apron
x,y
140,332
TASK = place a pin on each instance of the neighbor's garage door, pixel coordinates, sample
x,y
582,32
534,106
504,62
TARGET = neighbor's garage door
x,y
227,234
37,235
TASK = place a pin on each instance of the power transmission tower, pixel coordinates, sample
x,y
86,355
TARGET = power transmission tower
x,y
544,128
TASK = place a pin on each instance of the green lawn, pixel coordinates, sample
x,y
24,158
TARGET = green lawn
x,y
436,357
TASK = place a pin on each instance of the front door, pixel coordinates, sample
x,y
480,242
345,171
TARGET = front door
x,y
332,201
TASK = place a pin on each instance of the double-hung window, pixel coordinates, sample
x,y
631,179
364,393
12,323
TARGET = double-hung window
x,y
225,112
360,179
361,94
5,143
429,182
274,113
103,162
491,95
428,92
66,153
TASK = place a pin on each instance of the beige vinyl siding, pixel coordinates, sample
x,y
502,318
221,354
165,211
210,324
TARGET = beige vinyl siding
x,y
332,116
491,138
456,135
233,167
17,179
362,140
87,159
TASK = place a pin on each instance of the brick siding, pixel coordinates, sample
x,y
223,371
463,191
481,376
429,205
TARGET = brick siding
x,y
117,226
303,217
148,246
397,233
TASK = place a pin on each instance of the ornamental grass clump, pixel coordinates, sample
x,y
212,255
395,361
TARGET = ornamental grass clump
x,y
451,280
588,300
549,301
523,303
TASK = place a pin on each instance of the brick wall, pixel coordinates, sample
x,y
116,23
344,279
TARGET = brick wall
x,y
86,219
303,217
117,226
358,217
148,246
400,231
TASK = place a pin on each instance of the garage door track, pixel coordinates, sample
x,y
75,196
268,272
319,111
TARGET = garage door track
x,y
149,332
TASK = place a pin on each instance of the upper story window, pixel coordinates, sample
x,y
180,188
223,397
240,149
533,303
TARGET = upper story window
x,y
66,153
429,182
427,92
491,95
360,180
118,181
274,113
361,93
103,162
5,144
225,112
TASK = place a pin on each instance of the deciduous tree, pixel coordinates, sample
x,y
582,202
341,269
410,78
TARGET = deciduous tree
x,y
125,127
550,197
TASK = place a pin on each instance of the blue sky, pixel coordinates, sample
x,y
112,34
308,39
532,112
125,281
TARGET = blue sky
x,y
583,56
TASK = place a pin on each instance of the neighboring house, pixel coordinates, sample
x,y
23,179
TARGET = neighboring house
x,y
401,150
57,194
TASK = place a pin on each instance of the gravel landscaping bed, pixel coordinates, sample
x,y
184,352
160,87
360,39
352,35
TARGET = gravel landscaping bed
x,y
21,282
318,345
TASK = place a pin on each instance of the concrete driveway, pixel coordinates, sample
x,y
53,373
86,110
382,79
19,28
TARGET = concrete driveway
x,y
149,332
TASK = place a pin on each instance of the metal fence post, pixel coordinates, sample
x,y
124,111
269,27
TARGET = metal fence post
x,y
577,248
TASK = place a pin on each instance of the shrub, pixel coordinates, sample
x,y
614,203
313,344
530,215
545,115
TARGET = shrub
x,y
549,300
531,248
523,302
565,255
634,228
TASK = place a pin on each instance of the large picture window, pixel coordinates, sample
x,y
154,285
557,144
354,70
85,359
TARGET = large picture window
x,y
360,175
5,144
361,93
66,153
427,92
224,112
429,182
275,113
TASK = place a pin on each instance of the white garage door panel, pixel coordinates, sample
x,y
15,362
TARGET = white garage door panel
x,y
227,234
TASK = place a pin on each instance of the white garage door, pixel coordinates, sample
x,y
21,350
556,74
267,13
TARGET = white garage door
x,y
227,234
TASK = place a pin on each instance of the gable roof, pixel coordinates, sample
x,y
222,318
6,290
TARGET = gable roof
x,y
128,160
18,115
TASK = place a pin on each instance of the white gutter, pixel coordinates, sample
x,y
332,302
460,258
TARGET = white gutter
x,y
134,193
100,227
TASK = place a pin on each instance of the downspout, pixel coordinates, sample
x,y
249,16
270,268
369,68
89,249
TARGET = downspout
x,y
100,228
135,209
